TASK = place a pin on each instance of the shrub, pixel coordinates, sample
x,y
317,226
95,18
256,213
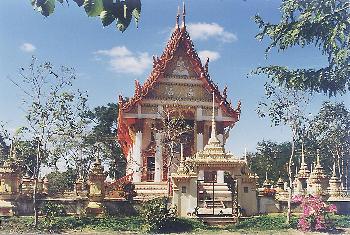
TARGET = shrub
x,y
315,216
157,214
263,222
51,211
128,191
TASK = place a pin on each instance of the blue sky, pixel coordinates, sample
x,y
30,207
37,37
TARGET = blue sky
x,y
222,29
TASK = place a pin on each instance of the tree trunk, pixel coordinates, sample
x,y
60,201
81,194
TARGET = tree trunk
x,y
290,191
35,191
36,214
168,167
340,170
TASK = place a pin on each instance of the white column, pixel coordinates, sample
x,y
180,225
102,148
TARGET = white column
x,y
199,141
201,175
220,176
221,138
199,114
129,168
158,159
137,157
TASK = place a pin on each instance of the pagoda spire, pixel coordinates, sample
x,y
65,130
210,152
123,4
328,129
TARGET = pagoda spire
x,y
318,158
213,137
183,15
334,173
177,17
302,154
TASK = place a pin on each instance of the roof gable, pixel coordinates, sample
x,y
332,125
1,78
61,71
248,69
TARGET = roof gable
x,y
179,45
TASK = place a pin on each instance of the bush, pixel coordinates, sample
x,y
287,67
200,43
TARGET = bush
x,y
341,221
128,191
315,215
51,211
158,215
265,222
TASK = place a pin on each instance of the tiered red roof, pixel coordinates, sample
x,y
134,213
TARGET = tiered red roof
x,y
180,35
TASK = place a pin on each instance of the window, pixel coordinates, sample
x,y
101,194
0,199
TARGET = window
x,y
183,189
245,189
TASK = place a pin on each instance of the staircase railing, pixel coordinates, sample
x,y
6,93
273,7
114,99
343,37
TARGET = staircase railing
x,y
117,185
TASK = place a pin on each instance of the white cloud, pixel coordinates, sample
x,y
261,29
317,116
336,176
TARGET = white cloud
x,y
204,31
122,60
115,51
213,55
27,47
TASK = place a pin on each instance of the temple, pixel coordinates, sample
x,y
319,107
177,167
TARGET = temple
x,y
172,132
178,82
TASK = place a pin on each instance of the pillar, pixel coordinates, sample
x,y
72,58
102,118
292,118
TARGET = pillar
x,y
158,159
201,175
199,141
200,138
137,157
220,176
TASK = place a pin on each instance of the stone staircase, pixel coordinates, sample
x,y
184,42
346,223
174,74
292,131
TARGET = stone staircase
x,y
221,191
149,190
221,206
218,220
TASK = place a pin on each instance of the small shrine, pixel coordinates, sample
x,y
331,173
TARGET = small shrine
x,y
302,176
214,182
96,184
318,181
9,186
334,184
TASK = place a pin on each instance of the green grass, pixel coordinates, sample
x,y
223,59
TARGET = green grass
x,y
341,221
264,222
135,224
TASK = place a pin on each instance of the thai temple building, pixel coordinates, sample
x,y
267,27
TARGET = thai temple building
x,y
180,82
194,169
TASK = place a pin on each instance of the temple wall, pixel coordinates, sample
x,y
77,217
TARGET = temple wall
x,y
247,197
268,205
77,206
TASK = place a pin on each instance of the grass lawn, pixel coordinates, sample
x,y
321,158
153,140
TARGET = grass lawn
x,y
265,224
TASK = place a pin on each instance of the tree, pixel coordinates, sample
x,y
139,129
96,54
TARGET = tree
x,y
324,24
174,130
50,106
330,131
59,182
104,132
270,157
108,10
4,150
286,107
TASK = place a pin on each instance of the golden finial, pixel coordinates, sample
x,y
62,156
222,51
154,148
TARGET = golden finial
x,y
177,17
183,14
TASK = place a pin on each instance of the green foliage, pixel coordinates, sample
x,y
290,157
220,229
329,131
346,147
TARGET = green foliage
x,y
324,24
128,191
4,150
265,222
51,211
270,157
23,224
107,10
61,181
341,221
157,214
104,133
